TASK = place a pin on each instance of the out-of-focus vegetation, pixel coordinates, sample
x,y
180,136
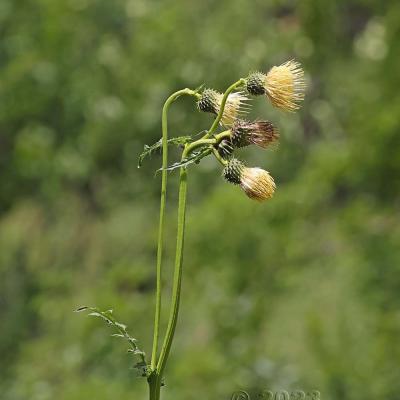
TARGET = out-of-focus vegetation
x,y
301,292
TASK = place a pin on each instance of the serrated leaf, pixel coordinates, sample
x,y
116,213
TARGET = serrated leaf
x,y
195,157
96,314
149,150
99,315
119,327
118,335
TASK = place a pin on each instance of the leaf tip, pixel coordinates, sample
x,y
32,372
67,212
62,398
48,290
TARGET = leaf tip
x,y
81,308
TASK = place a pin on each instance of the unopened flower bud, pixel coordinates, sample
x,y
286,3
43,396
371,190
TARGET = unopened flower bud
x,y
260,133
211,100
284,85
255,84
233,171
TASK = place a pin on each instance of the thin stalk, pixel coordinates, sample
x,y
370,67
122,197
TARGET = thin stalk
x,y
155,378
203,141
219,158
164,177
222,135
176,290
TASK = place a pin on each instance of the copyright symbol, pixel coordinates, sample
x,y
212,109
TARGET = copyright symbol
x,y
240,395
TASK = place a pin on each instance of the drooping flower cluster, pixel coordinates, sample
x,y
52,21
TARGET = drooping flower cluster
x,y
284,86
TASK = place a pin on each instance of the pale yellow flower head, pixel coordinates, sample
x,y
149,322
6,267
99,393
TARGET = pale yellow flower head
x,y
235,105
284,85
257,183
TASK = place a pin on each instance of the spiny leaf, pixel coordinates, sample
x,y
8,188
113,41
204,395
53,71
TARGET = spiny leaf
x,y
118,335
121,333
195,157
82,308
149,150
121,326
97,314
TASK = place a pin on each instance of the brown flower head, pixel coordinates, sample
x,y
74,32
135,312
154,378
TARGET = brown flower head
x,y
260,133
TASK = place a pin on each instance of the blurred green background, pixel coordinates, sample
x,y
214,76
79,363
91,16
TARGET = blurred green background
x,y
301,292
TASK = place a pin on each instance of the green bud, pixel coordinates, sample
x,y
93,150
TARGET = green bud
x,y
255,84
209,101
233,171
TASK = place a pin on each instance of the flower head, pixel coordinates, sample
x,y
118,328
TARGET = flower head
x,y
260,133
257,183
284,85
211,100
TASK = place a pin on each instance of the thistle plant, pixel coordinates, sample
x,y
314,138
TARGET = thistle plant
x,y
284,86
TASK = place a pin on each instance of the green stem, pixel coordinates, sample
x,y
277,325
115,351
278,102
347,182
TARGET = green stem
x,y
201,142
216,140
222,135
155,378
176,290
219,158
164,176
231,88
154,386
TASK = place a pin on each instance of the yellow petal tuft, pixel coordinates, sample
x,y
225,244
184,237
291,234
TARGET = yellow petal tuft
x,y
257,183
285,85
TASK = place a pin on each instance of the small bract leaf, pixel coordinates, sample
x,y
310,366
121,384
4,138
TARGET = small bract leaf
x,y
118,335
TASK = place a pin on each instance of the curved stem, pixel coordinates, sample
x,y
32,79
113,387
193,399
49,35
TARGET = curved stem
x,y
223,135
157,370
219,158
164,176
176,290
214,126
198,143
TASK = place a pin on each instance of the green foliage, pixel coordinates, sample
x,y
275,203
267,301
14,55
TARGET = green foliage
x,y
108,317
149,150
194,158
